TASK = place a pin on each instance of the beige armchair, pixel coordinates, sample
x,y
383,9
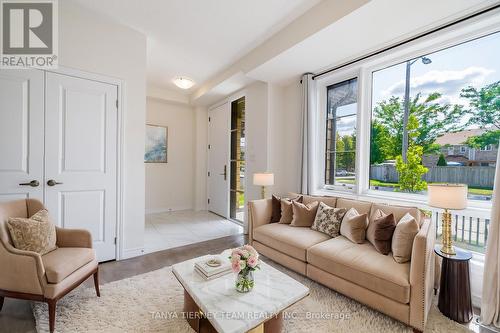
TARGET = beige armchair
x,y
31,276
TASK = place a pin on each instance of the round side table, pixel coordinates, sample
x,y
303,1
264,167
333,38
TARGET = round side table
x,y
455,300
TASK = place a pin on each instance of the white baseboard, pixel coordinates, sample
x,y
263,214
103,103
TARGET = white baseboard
x,y
131,253
164,210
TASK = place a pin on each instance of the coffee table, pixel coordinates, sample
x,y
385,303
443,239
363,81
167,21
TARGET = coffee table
x,y
216,306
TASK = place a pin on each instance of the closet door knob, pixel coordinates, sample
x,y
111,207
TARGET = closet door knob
x,y
52,182
33,183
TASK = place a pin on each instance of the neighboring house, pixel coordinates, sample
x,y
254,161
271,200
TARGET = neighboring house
x,y
454,149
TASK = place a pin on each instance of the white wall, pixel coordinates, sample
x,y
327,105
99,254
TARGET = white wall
x,y
93,43
170,186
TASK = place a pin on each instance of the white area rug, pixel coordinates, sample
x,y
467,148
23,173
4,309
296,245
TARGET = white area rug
x,y
153,302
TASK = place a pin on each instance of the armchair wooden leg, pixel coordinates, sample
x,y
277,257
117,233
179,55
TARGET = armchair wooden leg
x,y
1,302
96,283
52,314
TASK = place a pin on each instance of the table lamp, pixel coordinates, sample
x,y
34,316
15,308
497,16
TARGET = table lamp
x,y
263,180
447,196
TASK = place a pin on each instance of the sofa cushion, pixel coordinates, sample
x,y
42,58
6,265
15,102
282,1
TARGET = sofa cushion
x,y
63,261
399,211
363,207
353,226
402,240
380,231
303,215
289,240
286,209
330,201
363,265
328,220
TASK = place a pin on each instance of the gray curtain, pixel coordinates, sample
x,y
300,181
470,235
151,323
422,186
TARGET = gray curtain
x,y
308,107
490,300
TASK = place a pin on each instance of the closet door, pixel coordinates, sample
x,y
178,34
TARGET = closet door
x,y
21,134
80,157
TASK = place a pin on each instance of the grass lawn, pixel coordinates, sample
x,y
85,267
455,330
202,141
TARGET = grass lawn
x,y
373,182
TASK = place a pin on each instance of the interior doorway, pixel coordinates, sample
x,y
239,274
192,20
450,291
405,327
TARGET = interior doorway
x,y
237,161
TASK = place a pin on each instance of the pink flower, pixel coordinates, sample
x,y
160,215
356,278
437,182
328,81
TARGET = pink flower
x,y
235,258
235,266
252,261
245,254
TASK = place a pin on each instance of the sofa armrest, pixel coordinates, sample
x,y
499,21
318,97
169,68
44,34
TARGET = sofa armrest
x,y
259,213
73,238
22,271
422,274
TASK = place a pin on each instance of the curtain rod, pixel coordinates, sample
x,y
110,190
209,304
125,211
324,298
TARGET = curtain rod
x,y
369,55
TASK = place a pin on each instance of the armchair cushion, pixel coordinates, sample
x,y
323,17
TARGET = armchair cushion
x,y
61,262
35,234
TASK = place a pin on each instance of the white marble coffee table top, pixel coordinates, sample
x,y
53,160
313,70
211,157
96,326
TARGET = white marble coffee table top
x,y
232,312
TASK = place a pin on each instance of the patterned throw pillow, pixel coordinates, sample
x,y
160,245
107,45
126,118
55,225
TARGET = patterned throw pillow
x,y
35,234
328,219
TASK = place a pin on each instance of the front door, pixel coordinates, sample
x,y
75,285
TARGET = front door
x,y
218,160
21,134
80,157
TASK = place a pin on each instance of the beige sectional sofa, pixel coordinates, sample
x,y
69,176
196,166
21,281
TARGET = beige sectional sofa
x,y
402,291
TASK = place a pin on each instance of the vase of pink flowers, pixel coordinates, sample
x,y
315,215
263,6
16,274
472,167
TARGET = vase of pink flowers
x,y
244,261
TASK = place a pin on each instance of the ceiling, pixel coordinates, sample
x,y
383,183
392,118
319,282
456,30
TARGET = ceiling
x,y
347,39
197,38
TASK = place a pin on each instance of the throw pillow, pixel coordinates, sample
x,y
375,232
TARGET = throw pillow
x,y
286,209
276,207
35,234
328,220
380,230
402,240
353,226
303,215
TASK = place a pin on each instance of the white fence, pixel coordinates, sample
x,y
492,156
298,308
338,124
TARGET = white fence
x,y
477,176
468,230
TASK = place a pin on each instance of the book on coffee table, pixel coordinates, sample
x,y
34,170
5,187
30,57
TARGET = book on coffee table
x,y
210,271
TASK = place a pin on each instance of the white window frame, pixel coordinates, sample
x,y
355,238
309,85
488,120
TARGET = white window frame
x,y
463,149
322,98
460,33
486,148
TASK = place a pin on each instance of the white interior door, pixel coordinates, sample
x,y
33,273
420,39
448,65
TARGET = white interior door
x,y
21,134
218,160
80,157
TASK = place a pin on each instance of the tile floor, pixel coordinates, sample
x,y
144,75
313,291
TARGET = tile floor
x,y
173,229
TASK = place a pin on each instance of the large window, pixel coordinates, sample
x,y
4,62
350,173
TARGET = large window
x,y
341,133
436,119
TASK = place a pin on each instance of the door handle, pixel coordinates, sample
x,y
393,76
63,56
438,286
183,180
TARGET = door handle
x,y
225,172
52,182
33,183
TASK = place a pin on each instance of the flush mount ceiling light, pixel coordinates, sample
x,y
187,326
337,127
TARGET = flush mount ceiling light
x,y
183,82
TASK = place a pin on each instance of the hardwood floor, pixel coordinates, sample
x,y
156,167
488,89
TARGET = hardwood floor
x,y
16,315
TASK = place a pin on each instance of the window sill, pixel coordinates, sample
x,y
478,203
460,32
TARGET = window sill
x,y
476,208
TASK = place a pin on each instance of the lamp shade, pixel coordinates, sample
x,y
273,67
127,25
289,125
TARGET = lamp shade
x,y
263,179
447,196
